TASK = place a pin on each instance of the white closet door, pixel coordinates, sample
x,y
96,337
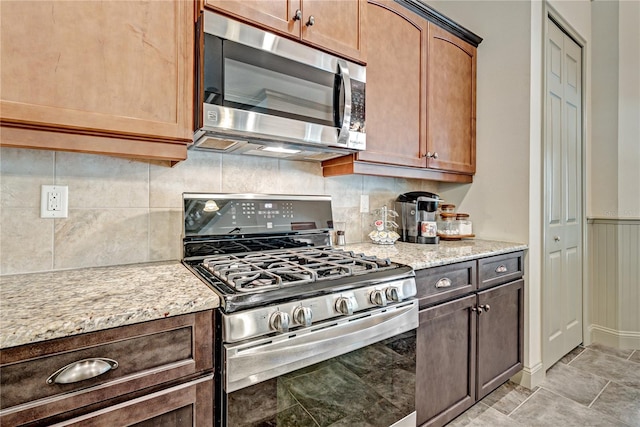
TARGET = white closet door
x,y
562,287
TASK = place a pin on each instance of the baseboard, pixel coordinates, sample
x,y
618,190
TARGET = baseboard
x,y
530,377
613,338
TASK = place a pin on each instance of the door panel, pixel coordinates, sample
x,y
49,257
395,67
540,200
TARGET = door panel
x,y
396,98
500,335
445,370
562,287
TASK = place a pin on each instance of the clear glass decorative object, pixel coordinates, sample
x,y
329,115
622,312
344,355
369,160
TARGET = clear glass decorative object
x,y
384,233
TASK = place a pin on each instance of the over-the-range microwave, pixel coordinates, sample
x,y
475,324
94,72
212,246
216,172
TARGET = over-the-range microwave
x,y
262,94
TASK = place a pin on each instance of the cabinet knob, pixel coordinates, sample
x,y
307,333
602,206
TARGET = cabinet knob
x,y
477,309
279,321
430,155
311,21
556,238
485,307
298,15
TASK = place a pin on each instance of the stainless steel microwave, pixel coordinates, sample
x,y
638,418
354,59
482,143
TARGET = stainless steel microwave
x,y
262,94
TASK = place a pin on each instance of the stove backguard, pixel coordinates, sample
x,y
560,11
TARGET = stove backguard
x,y
254,214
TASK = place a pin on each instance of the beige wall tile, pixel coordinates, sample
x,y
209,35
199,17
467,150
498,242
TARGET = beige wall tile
x,y
102,181
96,237
26,243
201,172
134,208
345,190
165,234
300,178
250,174
22,172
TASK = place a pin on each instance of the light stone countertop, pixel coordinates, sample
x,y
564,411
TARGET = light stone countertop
x,y
41,306
421,256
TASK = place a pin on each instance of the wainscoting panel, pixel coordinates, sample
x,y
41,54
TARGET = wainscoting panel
x,y
615,281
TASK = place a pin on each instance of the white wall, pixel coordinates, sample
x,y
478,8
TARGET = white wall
x,y
504,199
629,110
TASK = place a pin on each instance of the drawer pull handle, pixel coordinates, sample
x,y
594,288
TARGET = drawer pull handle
x,y
501,269
445,282
82,370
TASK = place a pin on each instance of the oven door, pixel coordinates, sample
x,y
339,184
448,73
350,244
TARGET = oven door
x,y
359,370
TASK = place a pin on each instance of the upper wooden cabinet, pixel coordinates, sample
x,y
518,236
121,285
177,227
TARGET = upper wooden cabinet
x,y
451,103
420,105
333,25
108,77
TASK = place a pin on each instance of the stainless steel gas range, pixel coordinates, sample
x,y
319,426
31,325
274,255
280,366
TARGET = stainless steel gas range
x,y
307,334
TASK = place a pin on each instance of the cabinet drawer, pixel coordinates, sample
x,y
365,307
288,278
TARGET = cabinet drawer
x,y
441,283
147,354
500,269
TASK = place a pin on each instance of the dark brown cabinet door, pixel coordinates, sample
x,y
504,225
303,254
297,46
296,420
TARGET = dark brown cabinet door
x,y
186,405
446,359
451,108
500,335
396,67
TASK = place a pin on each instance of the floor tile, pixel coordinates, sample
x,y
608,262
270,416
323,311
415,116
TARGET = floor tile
x,y
635,357
469,415
620,402
610,367
618,352
476,412
568,381
545,409
493,418
572,354
507,397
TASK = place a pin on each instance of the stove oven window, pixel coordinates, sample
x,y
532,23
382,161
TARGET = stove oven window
x,y
373,386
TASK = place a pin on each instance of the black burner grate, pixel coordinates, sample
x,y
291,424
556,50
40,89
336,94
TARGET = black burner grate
x,y
259,271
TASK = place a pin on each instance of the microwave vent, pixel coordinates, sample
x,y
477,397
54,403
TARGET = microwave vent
x,y
217,144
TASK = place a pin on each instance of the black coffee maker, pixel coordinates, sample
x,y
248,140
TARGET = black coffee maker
x,y
418,211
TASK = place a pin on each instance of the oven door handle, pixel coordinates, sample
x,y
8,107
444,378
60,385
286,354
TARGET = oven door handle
x,y
254,362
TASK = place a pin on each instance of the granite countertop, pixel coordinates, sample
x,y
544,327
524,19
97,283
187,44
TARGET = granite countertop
x,y
421,256
41,306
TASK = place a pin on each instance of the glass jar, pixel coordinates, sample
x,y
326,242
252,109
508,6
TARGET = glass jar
x,y
447,208
448,225
465,226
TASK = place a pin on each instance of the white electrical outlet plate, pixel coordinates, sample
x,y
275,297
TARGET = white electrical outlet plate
x,y
54,201
364,203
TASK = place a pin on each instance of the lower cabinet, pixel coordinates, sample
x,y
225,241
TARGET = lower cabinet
x,y
466,348
152,373
446,361
184,405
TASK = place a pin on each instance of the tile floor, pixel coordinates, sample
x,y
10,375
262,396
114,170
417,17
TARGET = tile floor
x,y
592,386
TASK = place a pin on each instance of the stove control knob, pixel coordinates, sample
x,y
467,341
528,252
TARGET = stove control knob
x,y
378,298
393,294
344,306
279,321
302,315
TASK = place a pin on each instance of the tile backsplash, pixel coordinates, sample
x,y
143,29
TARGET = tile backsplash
x,y
125,211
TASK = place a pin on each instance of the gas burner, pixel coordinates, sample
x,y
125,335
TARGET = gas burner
x,y
260,271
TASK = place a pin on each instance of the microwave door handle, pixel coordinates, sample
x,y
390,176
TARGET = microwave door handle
x,y
343,136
